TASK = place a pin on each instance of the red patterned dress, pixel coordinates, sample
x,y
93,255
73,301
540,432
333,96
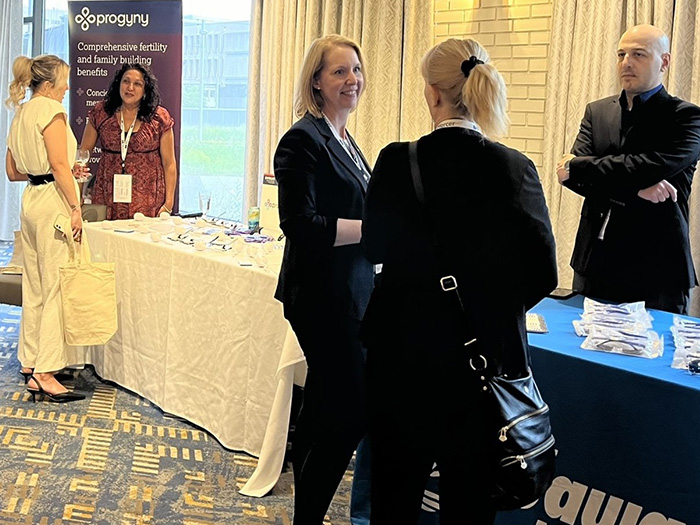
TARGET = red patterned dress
x,y
143,162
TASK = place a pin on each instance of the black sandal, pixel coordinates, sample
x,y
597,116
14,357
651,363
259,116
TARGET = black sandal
x,y
63,397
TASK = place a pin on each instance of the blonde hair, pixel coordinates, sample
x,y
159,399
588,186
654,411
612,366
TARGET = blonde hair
x,y
32,73
481,95
306,98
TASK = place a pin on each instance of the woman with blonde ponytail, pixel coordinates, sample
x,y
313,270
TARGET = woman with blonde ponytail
x,y
41,149
485,209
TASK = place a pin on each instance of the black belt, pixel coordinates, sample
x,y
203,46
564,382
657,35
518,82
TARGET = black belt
x,y
38,180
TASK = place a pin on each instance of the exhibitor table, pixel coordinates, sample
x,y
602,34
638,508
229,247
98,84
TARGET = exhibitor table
x,y
627,430
199,335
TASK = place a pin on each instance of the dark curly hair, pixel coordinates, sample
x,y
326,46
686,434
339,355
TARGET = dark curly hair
x,y
151,95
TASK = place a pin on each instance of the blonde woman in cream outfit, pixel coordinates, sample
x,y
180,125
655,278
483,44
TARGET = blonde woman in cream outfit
x,y
41,149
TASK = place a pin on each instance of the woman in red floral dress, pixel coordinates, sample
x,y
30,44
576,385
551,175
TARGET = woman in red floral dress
x,y
136,136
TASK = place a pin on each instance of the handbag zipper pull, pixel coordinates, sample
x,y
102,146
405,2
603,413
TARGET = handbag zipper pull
x,y
502,434
523,463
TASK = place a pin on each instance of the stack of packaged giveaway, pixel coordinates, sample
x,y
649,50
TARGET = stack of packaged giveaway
x,y
618,329
686,337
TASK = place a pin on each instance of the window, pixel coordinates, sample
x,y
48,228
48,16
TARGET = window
x,y
214,93
28,28
213,129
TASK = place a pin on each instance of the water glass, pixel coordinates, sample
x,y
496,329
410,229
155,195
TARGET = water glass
x,y
82,157
204,203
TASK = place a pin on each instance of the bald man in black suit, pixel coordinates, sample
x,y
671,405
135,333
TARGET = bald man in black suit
x,y
633,161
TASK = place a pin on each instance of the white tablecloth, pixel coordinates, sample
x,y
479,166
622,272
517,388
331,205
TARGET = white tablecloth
x,y
203,338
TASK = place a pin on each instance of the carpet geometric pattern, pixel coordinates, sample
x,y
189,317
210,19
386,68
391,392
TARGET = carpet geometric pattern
x,y
115,458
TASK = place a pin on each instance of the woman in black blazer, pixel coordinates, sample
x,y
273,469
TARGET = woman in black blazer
x,y
486,205
325,281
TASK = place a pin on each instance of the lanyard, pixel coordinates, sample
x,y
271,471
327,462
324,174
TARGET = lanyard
x,y
125,138
458,122
349,149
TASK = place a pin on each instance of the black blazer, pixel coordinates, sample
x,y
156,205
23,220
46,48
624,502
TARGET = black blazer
x,y
318,183
646,247
487,206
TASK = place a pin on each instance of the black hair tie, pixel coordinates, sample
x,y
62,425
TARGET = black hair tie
x,y
468,65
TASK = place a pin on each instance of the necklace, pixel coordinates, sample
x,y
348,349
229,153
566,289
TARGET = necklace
x,y
458,122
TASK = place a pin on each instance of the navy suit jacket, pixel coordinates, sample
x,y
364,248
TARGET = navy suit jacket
x,y
645,246
319,183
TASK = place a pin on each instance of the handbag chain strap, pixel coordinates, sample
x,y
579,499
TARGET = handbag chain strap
x,y
448,282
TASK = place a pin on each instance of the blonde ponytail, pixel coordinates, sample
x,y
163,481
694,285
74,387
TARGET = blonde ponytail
x,y
484,96
22,71
477,91
32,73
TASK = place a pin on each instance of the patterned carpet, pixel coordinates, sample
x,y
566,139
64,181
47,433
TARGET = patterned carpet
x,y
115,458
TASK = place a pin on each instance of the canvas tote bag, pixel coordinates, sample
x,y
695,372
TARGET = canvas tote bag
x,y
89,297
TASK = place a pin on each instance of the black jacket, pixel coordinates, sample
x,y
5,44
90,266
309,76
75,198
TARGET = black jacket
x,y
645,246
486,204
319,183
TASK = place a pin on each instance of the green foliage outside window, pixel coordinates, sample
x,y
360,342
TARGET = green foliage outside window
x,y
221,151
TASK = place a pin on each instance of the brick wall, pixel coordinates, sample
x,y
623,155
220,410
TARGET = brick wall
x,y
517,34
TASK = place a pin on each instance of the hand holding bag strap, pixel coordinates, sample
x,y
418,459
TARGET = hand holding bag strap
x,y
79,254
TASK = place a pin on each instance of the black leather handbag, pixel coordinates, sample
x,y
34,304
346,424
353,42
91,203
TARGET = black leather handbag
x,y
523,445
518,431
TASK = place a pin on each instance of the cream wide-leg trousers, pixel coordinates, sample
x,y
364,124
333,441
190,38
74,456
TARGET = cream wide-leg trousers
x,y
41,344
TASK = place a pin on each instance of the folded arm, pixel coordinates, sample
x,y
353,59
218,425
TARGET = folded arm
x,y
623,176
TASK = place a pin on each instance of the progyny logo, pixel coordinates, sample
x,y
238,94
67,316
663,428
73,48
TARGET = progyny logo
x,y
85,18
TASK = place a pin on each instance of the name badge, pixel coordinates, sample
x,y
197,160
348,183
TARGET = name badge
x,y
122,188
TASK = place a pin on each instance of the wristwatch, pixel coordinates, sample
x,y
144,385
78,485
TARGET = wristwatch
x,y
567,166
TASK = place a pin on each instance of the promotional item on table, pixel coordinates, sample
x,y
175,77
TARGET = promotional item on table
x,y
619,329
626,329
204,234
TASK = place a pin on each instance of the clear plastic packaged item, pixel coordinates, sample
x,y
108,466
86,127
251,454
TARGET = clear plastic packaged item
x,y
591,306
686,338
684,322
629,317
648,345
637,326
683,356
683,327
683,338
